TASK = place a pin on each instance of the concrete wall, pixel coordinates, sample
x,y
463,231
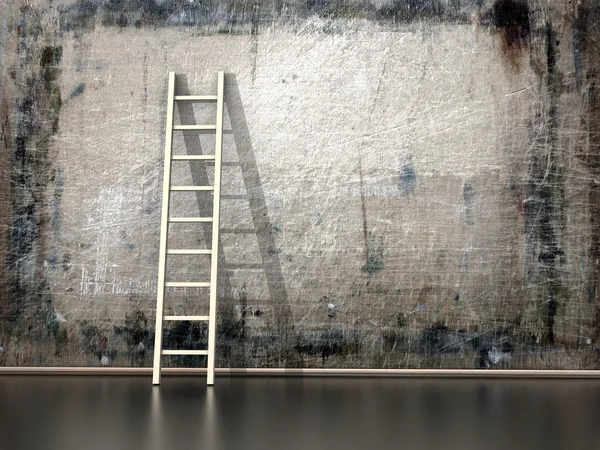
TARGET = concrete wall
x,y
406,184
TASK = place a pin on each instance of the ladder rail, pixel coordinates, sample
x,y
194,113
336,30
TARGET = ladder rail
x,y
214,271
164,228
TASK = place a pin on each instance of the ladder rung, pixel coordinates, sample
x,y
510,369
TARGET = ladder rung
x,y
199,251
192,157
185,352
192,188
187,318
194,127
190,219
196,98
187,284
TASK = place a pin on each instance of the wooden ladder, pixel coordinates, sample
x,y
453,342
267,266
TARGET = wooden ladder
x,y
166,219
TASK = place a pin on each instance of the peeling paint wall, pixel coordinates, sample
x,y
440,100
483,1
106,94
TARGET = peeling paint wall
x,y
407,184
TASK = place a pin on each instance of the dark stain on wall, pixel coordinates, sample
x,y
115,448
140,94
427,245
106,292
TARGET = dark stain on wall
x,y
187,335
137,13
375,262
55,205
544,213
79,16
579,31
435,340
326,344
234,16
363,209
468,196
36,119
79,89
38,110
408,180
587,30
411,10
232,333
511,19
139,337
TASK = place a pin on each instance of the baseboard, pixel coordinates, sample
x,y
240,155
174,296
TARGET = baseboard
x,y
413,373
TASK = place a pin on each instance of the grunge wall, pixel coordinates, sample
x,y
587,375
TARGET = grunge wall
x,y
407,184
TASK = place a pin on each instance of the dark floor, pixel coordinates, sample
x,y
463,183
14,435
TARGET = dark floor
x,y
88,413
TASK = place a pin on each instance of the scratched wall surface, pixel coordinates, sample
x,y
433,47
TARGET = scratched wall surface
x,y
407,183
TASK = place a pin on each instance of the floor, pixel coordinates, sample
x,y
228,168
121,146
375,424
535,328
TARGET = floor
x,y
89,413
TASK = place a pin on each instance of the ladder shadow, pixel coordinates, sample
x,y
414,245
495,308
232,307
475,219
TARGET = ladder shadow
x,y
232,342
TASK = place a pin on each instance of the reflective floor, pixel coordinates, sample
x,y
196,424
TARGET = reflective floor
x,y
88,413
